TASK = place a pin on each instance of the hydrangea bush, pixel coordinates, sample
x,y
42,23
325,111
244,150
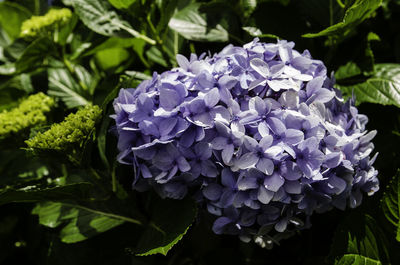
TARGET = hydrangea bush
x,y
258,131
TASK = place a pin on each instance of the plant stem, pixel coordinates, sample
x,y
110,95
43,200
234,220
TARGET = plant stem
x,y
135,33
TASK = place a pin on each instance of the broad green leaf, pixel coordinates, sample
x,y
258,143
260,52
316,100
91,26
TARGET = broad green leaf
x,y
34,55
390,204
11,17
155,55
110,58
35,194
360,234
196,23
7,69
248,7
355,14
170,221
113,42
121,3
79,223
63,86
99,17
352,259
383,87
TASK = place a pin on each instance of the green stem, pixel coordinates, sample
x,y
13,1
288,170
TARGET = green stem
x,y
157,37
37,7
340,3
135,33
156,227
111,215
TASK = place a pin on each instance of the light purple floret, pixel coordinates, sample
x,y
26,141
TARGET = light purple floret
x,y
258,130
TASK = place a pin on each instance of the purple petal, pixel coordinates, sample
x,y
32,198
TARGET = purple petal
x,y
227,82
293,136
273,182
227,153
292,187
227,178
332,160
247,160
338,184
208,169
290,170
212,192
183,164
219,143
266,142
260,67
212,97
166,125
264,195
266,166
276,126
247,183
219,225
169,98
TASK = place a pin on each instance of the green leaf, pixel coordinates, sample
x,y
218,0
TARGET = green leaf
x,y
170,221
360,234
34,55
99,17
80,223
383,87
110,58
352,259
11,17
63,86
35,194
113,42
196,23
390,204
121,3
355,14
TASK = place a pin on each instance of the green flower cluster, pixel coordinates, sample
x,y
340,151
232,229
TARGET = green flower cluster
x,y
37,24
29,113
69,133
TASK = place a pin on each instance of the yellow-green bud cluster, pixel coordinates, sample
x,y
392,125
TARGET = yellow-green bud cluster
x,y
37,24
69,133
30,112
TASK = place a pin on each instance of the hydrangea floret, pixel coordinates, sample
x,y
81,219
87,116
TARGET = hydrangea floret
x,y
36,24
258,130
69,133
30,112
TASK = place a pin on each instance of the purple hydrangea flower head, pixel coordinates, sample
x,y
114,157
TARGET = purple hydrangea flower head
x,y
259,130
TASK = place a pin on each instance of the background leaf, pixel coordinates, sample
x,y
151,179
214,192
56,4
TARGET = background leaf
x,y
355,14
12,16
195,23
170,220
383,87
63,86
79,224
352,259
390,204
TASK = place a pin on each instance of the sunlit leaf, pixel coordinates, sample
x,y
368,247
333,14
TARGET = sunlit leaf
x,y
359,11
383,87
79,223
63,86
193,23
352,259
